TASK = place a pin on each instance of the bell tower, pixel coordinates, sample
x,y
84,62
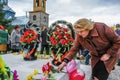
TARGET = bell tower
x,y
39,5
39,15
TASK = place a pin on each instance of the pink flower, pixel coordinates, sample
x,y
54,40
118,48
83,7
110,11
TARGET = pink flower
x,y
43,78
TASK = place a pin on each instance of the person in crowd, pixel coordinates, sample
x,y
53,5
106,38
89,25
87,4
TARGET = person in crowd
x,y
85,52
15,39
44,43
103,44
9,41
118,32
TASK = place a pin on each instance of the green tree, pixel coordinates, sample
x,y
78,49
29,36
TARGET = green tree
x,y
5,22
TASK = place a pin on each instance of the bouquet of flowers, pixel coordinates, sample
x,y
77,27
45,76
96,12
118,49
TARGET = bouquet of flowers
x,y
60,41
48,70
28,37
30,76
5,72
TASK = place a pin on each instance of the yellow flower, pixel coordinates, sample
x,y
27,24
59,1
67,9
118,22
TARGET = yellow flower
x,y
35,72
30,77
2,66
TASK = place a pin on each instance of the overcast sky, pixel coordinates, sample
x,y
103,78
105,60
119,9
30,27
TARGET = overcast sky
x,y
107,11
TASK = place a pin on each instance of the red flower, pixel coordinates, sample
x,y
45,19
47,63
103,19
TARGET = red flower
x,y
59,36
54,42
46,68
57,33
66,35
65,29
66,42
52,38
62,41
22,39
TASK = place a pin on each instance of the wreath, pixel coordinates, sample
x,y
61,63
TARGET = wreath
x,y
61,36
29,44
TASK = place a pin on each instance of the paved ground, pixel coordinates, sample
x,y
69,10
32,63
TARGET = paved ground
x,y
16,62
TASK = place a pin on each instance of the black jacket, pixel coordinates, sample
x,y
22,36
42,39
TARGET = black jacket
x,y
44,37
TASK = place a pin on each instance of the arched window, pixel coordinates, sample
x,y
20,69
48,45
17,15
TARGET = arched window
x,y
37,3
45,19
34,17
43,4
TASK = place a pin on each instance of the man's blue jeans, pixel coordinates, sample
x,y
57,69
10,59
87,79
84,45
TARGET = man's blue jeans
x,y
87,59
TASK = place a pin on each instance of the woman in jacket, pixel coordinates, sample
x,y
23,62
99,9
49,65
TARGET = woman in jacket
x,y
103,44
15,39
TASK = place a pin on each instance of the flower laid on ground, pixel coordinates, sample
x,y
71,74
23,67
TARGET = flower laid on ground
x,y
60,40
28,37
48,70
35,72
15,75
30,76
5,72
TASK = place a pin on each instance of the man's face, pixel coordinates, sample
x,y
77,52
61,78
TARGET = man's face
x,y
82,32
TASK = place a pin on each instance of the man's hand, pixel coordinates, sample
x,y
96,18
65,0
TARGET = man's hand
x,y
61,66
81,57
105,57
